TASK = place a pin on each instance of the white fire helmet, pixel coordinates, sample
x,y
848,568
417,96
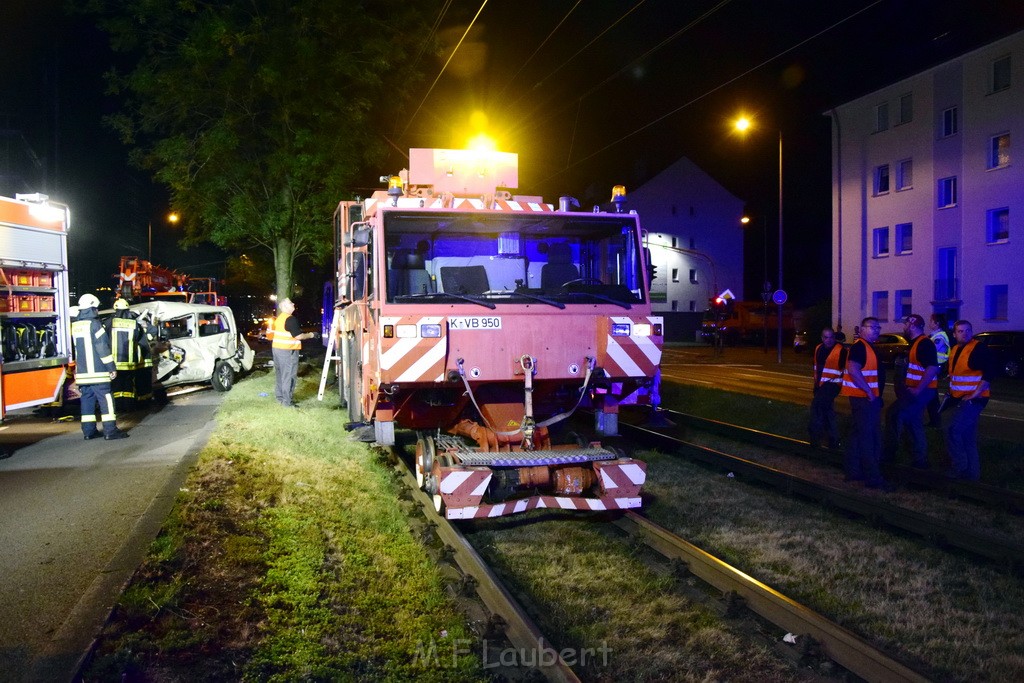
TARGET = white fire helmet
x,y
88,301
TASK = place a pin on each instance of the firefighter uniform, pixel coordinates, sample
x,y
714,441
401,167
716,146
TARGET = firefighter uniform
x,y
144,374
94,362
125,337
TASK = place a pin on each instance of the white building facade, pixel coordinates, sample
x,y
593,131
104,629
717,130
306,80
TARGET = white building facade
x,y
695,237
928,195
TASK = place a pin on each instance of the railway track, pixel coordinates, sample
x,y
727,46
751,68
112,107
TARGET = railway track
x,y
983,494
846,649
938,531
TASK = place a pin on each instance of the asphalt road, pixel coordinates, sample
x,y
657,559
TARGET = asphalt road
x,y
750,370
76,518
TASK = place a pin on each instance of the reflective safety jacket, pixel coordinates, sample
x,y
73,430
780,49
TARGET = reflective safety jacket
x,y
870,372
941,341
283,339
915,371
963,380
125,336
832,370
93,359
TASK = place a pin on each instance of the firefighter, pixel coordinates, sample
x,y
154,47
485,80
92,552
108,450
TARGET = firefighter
x,y
94,370
125,337
144,374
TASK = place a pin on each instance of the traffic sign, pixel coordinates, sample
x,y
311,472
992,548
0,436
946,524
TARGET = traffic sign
x,y
779,297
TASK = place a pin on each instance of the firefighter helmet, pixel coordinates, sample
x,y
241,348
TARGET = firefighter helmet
x,y
88,301
120,304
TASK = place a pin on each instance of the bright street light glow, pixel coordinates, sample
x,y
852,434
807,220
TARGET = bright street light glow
x,y
173,217
743,124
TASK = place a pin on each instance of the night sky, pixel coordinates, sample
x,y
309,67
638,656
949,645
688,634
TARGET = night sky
x,y
615,94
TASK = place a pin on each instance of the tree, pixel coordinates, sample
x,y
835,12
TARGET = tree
x,y
260,115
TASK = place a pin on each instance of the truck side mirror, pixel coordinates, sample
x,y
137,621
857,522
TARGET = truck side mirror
x,y
360,238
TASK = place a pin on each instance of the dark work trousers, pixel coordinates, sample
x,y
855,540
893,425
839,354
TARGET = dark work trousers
x,y
907,413
962,440
123,389
97,396
934,418
286,373
823,423
864,449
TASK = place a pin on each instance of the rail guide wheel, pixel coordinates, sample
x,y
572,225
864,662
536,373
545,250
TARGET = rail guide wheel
x,y
425,450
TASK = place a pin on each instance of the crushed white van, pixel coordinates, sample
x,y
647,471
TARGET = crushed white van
x,y
196,344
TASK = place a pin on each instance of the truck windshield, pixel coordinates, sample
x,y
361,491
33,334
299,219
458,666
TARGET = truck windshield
x,y
520,258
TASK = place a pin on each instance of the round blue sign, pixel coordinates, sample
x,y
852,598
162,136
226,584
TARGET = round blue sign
x,y
779,297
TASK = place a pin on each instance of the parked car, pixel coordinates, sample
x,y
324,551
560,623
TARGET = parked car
x,y
891,348
1007,350
801,341
197,343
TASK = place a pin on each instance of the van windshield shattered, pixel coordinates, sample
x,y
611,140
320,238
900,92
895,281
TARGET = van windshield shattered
x,y
519,258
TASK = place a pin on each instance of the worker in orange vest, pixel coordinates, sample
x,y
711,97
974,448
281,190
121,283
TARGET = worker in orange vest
x,y
970,375
829,360
285,347
863,382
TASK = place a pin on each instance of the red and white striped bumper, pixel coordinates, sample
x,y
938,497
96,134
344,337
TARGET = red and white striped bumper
x,y
619,482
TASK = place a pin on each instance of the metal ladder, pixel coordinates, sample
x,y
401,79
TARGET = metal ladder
x,y
330,355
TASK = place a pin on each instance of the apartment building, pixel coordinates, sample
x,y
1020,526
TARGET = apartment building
x,y
928,195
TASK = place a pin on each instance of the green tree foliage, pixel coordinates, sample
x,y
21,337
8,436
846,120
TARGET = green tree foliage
x,y
259,115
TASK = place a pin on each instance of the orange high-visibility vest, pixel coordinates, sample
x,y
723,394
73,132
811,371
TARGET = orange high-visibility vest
x,y
282,337
915,371
832,371
964,381
870,372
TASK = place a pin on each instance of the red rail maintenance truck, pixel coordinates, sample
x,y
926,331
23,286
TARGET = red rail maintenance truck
x,y
35,327
480,319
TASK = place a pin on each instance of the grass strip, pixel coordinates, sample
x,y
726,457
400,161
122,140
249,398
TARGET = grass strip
x,y
286,557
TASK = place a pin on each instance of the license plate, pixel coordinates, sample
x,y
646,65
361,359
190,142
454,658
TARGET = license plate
x,y
474,322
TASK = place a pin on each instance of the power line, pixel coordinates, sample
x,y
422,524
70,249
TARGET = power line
x,y
441,73
711,91
542,44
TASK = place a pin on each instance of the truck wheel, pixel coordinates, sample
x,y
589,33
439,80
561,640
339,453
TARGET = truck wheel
x,y
424,460
223,376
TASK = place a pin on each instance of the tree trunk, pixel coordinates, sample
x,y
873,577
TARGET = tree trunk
x,y
284,260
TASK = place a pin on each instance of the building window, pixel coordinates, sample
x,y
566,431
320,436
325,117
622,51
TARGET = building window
x,y
999,151
906,108
693,306
947,192
675,275
904,238
996,298
1001,74
881,242
905,174
675,305
903,304
882,117
997,226
950,122
882,179
880,305
673,242
693,276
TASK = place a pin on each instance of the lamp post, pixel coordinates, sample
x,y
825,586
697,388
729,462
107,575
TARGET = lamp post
x,y
743,124
172,218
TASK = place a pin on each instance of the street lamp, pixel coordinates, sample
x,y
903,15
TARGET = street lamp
x,y
743,124
172,218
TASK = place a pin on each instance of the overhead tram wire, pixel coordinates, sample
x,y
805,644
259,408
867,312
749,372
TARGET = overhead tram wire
x,y
441,73
542,44
580,51
419,55
709,92
627,67
663,43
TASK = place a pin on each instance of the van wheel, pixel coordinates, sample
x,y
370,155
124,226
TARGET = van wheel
x,y
223,376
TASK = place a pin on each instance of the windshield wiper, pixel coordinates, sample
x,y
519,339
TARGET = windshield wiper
x,y
435,295
534,297
602,297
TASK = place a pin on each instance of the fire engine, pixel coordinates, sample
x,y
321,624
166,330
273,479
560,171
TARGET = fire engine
x,y
480,319
139,280
35,327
